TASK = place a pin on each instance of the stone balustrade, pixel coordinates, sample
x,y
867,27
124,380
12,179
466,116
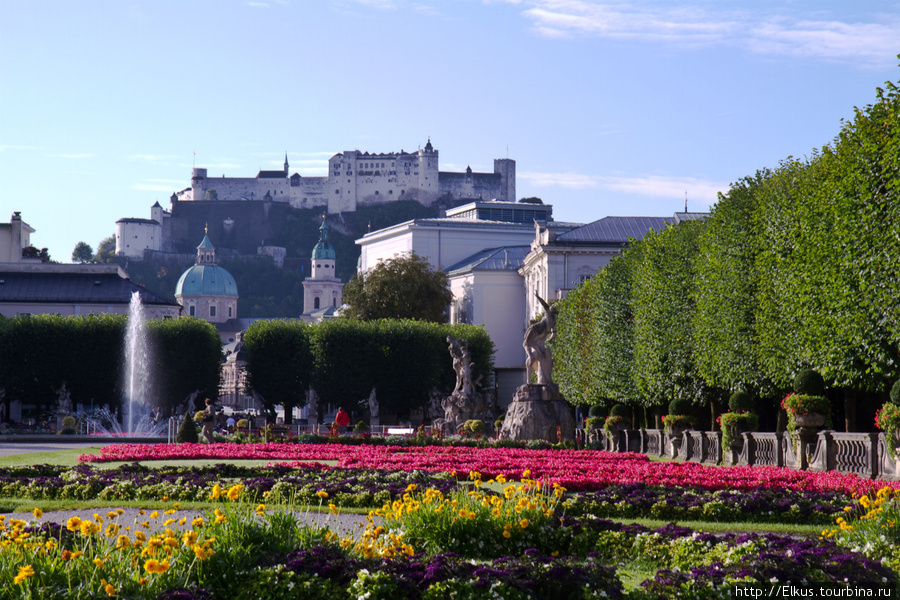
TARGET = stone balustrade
x,y
865,454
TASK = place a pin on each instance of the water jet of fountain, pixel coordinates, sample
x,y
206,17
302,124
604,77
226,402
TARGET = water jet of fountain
x,y
137,368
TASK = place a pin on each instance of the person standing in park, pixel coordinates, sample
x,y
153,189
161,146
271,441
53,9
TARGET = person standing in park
x,y
209,420
341,420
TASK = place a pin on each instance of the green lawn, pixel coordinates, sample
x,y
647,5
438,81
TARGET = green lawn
x,y
69,458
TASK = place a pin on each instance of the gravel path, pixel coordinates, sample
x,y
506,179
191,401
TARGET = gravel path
x,y
345,525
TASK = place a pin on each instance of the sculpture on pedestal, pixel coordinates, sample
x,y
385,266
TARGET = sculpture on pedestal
x,y
539,358
374,409
538,410
464,403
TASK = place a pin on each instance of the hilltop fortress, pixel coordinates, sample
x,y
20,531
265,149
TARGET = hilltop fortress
x,y
237,207
358,178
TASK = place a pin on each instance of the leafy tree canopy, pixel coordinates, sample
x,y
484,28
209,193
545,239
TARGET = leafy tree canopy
x,y
404,287
82,253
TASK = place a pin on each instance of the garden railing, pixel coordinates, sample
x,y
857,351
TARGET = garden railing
x,y
865,454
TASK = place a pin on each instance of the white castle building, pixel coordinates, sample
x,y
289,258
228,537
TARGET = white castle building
x,y
358,178
354,179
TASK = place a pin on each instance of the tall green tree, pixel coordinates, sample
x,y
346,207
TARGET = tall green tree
x,y
279,363
403,287
664,365
726,284
402,359
83,253
187,355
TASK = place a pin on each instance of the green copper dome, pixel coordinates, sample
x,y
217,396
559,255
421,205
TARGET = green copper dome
x,y
323,248
206,280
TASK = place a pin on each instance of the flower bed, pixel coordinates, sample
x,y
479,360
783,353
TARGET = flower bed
x,y
518,544
576,470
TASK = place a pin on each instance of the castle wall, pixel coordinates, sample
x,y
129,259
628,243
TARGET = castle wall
x,y
359,179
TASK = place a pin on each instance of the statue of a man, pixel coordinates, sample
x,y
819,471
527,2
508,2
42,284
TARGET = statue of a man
x,y
462,364
373,405
539,359
64,400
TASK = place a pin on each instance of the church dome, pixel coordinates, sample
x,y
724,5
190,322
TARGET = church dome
x,y
206,280
323,250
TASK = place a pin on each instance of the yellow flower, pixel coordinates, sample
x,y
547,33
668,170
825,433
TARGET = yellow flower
x,y
412,487
523,523
234,492
24,573
108,588
220,516
99,563
89,528
112,514
332,508
507,534
153,515
38,513
73,524
261,509
216,492
198,522
322,494
156,566
526,473
201,552
189,538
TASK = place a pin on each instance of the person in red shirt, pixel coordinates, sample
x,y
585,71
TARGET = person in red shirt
x,y
341,419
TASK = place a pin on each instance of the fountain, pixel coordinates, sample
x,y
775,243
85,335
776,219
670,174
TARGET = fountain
x,y
135,405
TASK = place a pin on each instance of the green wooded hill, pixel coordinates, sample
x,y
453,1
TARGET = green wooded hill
x,y
236,229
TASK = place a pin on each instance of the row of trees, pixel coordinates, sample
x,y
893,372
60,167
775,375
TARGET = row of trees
x,y
39,353
797,266
343,359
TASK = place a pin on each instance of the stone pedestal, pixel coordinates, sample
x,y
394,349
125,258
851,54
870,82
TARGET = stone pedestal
x,y
537,410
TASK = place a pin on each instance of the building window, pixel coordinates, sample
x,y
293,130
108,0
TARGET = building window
x,y
316,302
191,311
212,310
230,309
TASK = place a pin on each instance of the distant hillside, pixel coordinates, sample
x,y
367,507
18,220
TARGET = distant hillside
x,y
238,228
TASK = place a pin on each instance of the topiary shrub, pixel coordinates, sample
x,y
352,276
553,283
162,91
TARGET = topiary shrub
x,y
473,426
242,424
809,383
680,406
895,393
620,410
741,401
187,432
68,426
597,410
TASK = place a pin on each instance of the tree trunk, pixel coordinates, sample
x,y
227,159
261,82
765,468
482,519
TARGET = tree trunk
x,y
849,410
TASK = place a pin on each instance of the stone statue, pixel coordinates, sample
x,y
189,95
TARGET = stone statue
x,y
462,364
312,402
538,410
373,405
539,358
64,400
463,404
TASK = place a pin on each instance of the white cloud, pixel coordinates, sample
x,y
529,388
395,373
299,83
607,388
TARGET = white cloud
x,y
787,34
658,186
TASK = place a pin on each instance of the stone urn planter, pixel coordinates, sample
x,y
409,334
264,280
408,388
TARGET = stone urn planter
x,y
810,420
676,438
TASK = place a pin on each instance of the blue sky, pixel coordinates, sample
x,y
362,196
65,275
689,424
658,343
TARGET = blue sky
x,y
607,108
